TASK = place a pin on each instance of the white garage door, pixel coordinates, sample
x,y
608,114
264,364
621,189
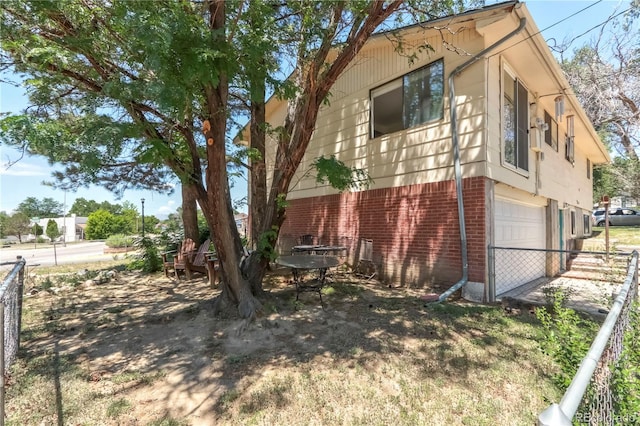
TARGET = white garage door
x,y
518,226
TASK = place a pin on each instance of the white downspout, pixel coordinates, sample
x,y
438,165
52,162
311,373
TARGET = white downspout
x,y
456,158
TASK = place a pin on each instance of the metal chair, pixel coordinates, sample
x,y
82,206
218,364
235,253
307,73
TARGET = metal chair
x,y
366,267
307,240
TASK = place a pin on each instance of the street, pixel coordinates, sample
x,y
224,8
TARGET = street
x,y
44,253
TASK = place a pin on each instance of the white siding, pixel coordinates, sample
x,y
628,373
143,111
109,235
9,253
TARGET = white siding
x,y
417,155
424,153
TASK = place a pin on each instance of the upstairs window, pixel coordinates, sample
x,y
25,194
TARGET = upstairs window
x,y
515,122
551,135
413,99
569,150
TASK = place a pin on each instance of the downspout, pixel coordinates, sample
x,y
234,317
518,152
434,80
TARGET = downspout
x,y
456,158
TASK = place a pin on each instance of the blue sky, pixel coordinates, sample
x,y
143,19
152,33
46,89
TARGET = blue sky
x,y
24,179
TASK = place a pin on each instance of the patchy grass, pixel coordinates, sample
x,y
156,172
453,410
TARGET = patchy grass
x,y
118,407
74,268
618,235
145,350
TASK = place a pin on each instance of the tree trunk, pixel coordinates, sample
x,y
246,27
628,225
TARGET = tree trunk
x,y
216,201
258,174
190,212
255,266
216,206
314,80
254,269
240,284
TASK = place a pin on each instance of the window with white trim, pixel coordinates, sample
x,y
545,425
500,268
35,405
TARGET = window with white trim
x,y
515,122
413,99
573,223
551,135
569,150
586,224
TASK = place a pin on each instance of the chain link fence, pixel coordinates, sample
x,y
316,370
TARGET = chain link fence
x,y
11,317
589,279
591,398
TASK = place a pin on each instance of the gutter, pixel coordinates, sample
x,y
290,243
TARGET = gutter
x,y
456,158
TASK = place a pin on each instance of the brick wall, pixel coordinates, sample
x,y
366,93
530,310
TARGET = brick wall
x,y
415,233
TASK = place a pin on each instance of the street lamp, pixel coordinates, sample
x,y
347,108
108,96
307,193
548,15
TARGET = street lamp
x,y
142,200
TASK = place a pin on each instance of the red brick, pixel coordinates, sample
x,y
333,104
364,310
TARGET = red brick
x,y
414,229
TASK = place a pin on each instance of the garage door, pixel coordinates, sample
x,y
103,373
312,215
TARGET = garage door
x,y
518,226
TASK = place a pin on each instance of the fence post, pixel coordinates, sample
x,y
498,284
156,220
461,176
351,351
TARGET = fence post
x,y
20,294
491,258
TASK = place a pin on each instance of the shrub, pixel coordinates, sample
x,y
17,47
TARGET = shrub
x,y
100,224
148,259
568,338
170,241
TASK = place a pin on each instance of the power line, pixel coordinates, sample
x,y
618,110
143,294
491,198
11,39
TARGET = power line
x,y
563,20
599,25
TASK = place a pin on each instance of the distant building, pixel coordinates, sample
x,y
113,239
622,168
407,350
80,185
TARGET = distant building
x,y
623,201
71,227
241,223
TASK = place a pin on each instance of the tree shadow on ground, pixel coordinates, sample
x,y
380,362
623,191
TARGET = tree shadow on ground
x,y
150,324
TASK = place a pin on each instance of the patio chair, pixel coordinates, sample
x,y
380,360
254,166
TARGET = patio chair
x,y
202,261
366,267
170,258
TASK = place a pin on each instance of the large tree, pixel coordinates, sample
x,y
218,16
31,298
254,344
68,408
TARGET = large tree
x,y
156,84
83,207
18,224
77,117
47,207
4,217
608,86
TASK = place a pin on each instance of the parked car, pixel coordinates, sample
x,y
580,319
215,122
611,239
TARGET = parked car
x,y
596,216
617,217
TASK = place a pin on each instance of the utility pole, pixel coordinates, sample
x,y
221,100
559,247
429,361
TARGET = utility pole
x,y
64,221
142,200
605,201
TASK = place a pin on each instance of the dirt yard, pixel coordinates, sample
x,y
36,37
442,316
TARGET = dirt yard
x,y
146,350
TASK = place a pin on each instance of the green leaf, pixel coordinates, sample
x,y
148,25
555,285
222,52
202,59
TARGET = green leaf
x,y
339,175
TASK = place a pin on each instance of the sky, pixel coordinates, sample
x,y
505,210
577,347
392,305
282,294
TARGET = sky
x,y
24,178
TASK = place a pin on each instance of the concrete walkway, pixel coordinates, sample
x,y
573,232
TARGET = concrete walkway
x,y
590,296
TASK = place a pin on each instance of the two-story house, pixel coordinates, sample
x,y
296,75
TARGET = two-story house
x,y
479,142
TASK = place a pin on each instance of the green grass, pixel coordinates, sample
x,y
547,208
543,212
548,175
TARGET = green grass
x,y
618,235
118,407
